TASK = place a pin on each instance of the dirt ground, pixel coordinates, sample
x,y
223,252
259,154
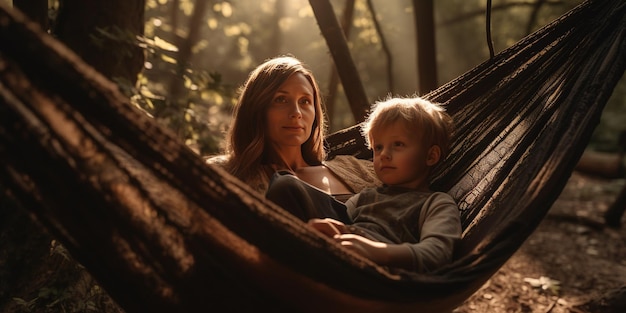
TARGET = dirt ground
x,y
572,263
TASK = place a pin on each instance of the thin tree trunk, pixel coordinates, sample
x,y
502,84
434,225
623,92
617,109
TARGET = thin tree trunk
x,y
184,48
333,82
36,10
426,57
534,14
174,11
338,47
277,38
79,26
385,47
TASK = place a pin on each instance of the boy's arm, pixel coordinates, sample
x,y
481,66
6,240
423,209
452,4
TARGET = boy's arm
x,y
392,255
440,230
331,227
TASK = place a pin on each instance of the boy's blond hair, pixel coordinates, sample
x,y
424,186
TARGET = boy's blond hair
x,y
426,118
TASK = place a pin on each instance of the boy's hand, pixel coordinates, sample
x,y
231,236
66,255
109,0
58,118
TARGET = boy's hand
x,y
328,226
378,252
373,250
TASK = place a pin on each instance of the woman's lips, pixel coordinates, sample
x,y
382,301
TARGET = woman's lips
x,y
294,128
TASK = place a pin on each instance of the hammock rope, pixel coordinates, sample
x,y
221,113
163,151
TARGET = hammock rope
x,y
161,231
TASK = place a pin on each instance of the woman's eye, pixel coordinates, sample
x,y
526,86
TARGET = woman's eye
x,y
305,101
280,99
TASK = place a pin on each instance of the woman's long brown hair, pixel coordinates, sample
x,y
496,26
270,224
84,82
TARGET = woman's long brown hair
x,y
247,145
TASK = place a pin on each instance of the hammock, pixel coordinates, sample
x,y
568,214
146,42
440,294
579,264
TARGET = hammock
x,y
163,232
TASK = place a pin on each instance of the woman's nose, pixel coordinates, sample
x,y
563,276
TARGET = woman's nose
x,y
295,112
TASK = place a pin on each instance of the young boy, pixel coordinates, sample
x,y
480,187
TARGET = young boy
x,y
402,224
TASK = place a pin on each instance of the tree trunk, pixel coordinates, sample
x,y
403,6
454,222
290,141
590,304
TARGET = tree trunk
x,y
36,10
79,26
613,215
426,57
384,46
111,221
338,46
177,84
333,82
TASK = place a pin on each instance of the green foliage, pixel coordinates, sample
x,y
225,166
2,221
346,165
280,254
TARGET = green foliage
x,y
62,300
69,288
198,113
195,102
198,118
27,306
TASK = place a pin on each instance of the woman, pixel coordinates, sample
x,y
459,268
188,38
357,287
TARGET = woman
x,y
278,125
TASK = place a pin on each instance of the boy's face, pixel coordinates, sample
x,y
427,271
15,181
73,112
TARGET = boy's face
x,y
400,157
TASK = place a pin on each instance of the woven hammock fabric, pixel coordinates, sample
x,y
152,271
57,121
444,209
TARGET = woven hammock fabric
x,y
161,231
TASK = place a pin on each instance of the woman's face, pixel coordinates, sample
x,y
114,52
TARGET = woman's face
x,y
291,113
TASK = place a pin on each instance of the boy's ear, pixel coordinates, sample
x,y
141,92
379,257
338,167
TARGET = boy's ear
x,y
434,154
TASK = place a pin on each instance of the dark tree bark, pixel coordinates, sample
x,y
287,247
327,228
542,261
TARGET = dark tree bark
x,y
78,26
534,14
275,41
613,215
338,46
268,40
174,12
36,10
426,57
173,270
184,48
385,47
333,82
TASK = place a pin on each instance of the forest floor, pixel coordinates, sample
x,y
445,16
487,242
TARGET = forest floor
x,y
572,263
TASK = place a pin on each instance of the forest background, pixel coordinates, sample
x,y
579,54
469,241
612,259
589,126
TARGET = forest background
x,y
195,55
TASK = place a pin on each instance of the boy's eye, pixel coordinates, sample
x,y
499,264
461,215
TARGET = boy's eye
x,y
398,144
378,147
